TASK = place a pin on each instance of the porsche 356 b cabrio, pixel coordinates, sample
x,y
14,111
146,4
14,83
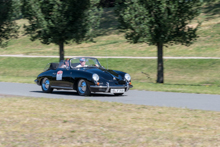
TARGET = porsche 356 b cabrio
x,y
85,75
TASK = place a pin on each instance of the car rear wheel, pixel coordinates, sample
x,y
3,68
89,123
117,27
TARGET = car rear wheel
x,y
118,94
45,85
83,88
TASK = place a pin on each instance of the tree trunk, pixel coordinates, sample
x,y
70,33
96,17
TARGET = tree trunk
x,y
61,47
160,78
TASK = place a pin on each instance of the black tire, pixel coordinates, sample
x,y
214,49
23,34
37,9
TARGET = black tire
x,y
118,94
83,88
45,86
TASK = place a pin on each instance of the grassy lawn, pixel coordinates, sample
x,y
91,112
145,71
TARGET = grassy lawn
x,y
190,76
61,122
112,43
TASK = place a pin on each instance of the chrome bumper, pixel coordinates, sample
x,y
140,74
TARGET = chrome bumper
x,y
107,87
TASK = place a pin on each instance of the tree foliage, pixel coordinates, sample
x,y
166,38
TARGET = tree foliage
x,y
8,27
159,23
59,22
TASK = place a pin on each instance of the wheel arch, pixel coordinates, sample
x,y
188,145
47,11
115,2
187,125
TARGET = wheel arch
x,y
87,76
89,82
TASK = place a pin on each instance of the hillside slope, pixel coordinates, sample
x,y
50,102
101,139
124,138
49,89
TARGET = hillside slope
x,y
112,43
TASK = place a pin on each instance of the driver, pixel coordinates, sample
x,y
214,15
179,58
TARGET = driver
x,y
82,63
66,63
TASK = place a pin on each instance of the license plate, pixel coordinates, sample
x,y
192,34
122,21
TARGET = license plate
x,y
117,90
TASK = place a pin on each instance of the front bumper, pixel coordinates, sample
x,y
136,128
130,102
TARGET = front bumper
x,y
107,88
37,82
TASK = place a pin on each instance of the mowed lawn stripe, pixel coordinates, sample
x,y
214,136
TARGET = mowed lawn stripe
x,y
126,57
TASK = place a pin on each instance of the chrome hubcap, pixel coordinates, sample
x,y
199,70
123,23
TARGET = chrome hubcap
x,y
46,84
82,86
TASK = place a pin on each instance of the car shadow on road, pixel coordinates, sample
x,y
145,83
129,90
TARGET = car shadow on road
x,y
74,93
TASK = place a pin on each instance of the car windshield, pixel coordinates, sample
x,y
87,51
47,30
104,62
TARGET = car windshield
x,y
84,62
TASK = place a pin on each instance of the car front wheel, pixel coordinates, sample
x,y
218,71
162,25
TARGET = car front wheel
x,y
83,88
45,85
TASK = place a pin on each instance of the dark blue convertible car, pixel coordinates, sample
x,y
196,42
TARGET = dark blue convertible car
x,y
85,75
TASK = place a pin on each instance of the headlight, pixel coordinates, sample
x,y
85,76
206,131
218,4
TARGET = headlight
x,y
127,77
95,77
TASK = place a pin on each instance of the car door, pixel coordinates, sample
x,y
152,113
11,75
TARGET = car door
x,y
61,78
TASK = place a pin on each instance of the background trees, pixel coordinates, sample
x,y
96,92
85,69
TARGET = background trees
x,y
159,23
8,27
107,3
57,21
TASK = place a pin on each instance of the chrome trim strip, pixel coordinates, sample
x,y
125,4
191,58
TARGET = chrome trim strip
x,y
108,87
117,87
127,87
95,86
107,83
59,87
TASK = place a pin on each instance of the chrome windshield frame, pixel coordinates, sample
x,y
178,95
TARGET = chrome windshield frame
x,y
86,58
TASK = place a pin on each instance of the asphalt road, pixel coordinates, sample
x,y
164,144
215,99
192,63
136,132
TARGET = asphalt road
x,y
167,99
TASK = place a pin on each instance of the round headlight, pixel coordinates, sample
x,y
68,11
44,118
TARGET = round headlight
x,y
127,77
95,77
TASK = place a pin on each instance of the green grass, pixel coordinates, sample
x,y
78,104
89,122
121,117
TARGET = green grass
x,y
62,122
112,43
192,76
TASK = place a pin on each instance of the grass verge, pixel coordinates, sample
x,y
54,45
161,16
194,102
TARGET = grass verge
x,y
62,122
190,76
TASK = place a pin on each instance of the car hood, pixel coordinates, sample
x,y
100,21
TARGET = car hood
x,y
104,73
